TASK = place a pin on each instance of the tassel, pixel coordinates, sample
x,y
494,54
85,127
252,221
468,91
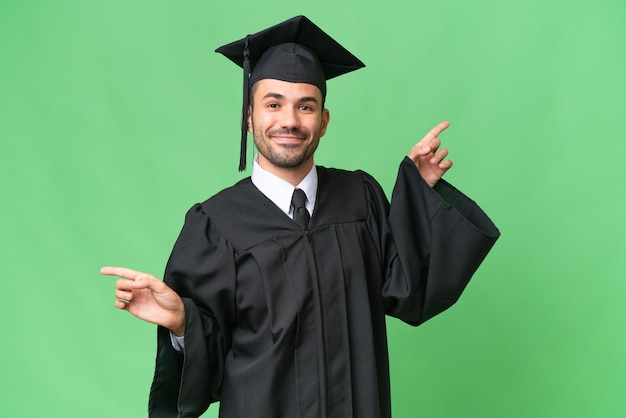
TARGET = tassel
x,y
246,104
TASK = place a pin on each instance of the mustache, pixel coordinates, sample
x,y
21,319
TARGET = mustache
x,y
295,132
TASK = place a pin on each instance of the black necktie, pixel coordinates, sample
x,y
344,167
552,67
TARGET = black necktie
x,y
300,214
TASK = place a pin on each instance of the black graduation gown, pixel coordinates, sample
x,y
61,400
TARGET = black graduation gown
x,y
283,322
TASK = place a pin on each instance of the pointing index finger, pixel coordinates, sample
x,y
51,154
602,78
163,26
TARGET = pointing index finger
x,y
433,133
122,272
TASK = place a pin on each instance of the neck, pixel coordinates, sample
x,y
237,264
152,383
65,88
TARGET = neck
x,y
293,176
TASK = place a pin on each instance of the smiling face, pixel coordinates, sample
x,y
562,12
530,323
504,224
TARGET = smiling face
x,y
287,121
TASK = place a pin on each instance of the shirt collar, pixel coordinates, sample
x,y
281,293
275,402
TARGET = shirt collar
x,y
280,191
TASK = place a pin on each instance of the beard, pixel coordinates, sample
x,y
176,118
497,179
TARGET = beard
x,y
286,155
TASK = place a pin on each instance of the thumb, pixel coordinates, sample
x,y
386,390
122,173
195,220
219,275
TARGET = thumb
x,y
419,150
151,283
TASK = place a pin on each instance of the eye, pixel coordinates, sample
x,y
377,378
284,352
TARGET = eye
x,y
305,108
272,105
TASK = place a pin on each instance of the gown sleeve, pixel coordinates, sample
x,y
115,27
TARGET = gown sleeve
x,y
201,270
434,241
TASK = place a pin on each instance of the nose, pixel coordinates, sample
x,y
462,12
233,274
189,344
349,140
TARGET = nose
x,y
289,118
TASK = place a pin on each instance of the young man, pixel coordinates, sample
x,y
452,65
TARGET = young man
x,y
275,295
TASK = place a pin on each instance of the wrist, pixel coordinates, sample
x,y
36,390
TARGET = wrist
x,y
178,326
178,331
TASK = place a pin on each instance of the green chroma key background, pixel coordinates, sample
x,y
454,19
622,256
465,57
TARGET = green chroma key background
x,y
117,116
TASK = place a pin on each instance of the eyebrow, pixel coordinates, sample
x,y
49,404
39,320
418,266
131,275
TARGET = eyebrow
x,y
273,95
308,99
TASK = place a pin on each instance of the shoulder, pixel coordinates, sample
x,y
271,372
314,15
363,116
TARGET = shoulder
x,y
239,192
353,183
235,200
342,177
346,196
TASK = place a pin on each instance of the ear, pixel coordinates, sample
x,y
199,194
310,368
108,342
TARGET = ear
x,y
325,121
249,121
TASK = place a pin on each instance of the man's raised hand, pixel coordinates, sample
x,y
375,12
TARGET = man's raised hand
x,y
428,158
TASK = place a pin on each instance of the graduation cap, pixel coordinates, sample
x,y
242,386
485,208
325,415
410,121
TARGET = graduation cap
x,y
296,51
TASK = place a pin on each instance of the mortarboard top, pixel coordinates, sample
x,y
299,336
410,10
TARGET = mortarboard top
x,y
296,51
